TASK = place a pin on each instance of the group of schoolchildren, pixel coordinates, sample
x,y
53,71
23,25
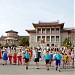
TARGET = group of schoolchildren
x,y
12,57
66,57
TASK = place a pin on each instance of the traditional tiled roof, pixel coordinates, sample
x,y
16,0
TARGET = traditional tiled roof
x,y
68,30
11,31
31,31
48,24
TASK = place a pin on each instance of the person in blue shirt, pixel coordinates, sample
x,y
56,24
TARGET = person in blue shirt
x,y
47,59
51,57
5,57
27,57
58,57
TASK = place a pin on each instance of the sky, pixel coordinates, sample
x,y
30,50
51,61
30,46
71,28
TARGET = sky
x,y
19,15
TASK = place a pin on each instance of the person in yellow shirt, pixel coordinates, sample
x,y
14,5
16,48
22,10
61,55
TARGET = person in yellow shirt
x,y
64,60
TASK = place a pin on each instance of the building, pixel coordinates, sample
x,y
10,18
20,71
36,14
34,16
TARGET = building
x,y
2,40
52,33
11,38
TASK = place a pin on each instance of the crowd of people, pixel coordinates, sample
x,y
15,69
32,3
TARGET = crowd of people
x,y
52,56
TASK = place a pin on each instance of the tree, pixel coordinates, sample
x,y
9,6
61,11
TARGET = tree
x,y
6,45
67,43
24,41
13,45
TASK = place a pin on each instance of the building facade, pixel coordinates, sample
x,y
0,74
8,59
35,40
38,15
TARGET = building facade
x,y
52,33
11,38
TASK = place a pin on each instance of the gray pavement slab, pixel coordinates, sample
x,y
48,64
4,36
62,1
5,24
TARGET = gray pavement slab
x,y
20,70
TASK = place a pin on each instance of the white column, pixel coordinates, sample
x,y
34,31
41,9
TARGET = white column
x,y
50,30
45,38
41,38
45,30
55,38
50,38
55,30
59,30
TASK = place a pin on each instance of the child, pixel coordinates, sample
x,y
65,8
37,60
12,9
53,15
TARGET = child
x,y
30,52
64,60
47,59
15,58
27,57
58,60
51,57
69,60
23,59
10,57
5,57
19,57
36,56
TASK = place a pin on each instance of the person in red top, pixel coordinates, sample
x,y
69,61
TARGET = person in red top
x,y
10,57
19,57
0,54
15,58
30,51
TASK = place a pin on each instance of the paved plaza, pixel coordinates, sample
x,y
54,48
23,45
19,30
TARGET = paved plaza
x,y
20,70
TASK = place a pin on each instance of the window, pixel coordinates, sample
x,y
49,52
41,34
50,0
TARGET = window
x,y
43,30
52,38
52,30
38,38
48,38
43,39
48,30
57,38
57,30
39,30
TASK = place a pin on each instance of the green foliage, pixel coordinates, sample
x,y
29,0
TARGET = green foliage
x,y
13,45
6,45
1,47
67,43
24,42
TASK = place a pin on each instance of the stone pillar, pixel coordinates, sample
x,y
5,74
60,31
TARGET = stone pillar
x,y
50,30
